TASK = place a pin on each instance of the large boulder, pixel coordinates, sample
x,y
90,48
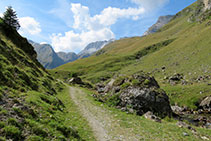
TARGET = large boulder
x,y
139,92
146,99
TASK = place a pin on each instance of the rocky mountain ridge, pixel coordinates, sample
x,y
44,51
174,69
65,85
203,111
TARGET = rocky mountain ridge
x,y
162,20
51,59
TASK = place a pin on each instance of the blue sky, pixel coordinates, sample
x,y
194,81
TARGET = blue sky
x,y
69,25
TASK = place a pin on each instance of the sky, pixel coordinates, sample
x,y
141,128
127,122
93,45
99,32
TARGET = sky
x,y
70,25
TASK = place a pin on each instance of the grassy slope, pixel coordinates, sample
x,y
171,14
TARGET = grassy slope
x,y
29,104
189,54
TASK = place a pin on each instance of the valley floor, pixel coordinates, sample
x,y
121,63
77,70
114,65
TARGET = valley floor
x,y
108,123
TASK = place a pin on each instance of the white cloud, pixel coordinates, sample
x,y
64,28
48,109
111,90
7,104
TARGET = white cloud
x,y
91,28
29,26
1,15
71,41
150,4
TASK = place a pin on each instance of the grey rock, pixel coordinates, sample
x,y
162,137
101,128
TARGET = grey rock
x,y
162,20
206,104
76,80
149,115
146,99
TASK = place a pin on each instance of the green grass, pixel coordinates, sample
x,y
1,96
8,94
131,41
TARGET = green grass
x,y
187,95
147,129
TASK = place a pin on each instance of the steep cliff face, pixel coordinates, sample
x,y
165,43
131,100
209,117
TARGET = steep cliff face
x,y
162,20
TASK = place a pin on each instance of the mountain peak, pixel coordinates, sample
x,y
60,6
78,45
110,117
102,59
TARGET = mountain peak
x,y
162,20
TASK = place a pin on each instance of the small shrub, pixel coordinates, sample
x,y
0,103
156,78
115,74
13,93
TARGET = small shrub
x,y
113,100
2,139
38,130
146,82
12,132
2,124
135,82
34,138
12,121
125,85
3,112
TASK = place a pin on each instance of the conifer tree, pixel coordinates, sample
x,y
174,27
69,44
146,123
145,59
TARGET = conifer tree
x,y
10,17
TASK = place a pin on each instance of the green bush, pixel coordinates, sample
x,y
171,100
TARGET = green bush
x,y
135,82
125,85
146,82
2,124
113,100
12,121
34,138
12,132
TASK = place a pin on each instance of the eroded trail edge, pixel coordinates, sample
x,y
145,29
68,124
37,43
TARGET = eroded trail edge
x,y
102,122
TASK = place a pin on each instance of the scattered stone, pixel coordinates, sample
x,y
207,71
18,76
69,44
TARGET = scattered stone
x,y
204,138
176,77
177,109
149,115
206,104
75,80
100,87
185,134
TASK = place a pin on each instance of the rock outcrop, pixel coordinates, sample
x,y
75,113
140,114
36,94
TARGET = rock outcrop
x,y
139,92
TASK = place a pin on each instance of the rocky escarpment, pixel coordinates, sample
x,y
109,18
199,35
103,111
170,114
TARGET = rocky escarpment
x,y
138,93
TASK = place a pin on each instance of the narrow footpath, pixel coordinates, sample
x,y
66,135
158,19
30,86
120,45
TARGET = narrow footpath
x,y
102,122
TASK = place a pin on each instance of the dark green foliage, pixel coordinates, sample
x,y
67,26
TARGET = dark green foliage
x,y
2,124
153,48
10,17
34,138
12,132
113,100
14,122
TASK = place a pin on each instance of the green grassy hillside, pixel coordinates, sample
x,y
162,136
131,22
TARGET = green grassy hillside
x,y
29,105
182,46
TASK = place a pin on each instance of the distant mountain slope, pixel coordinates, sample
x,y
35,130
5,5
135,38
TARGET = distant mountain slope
x,y
50,59
92,48
162,20
67,57
47,56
